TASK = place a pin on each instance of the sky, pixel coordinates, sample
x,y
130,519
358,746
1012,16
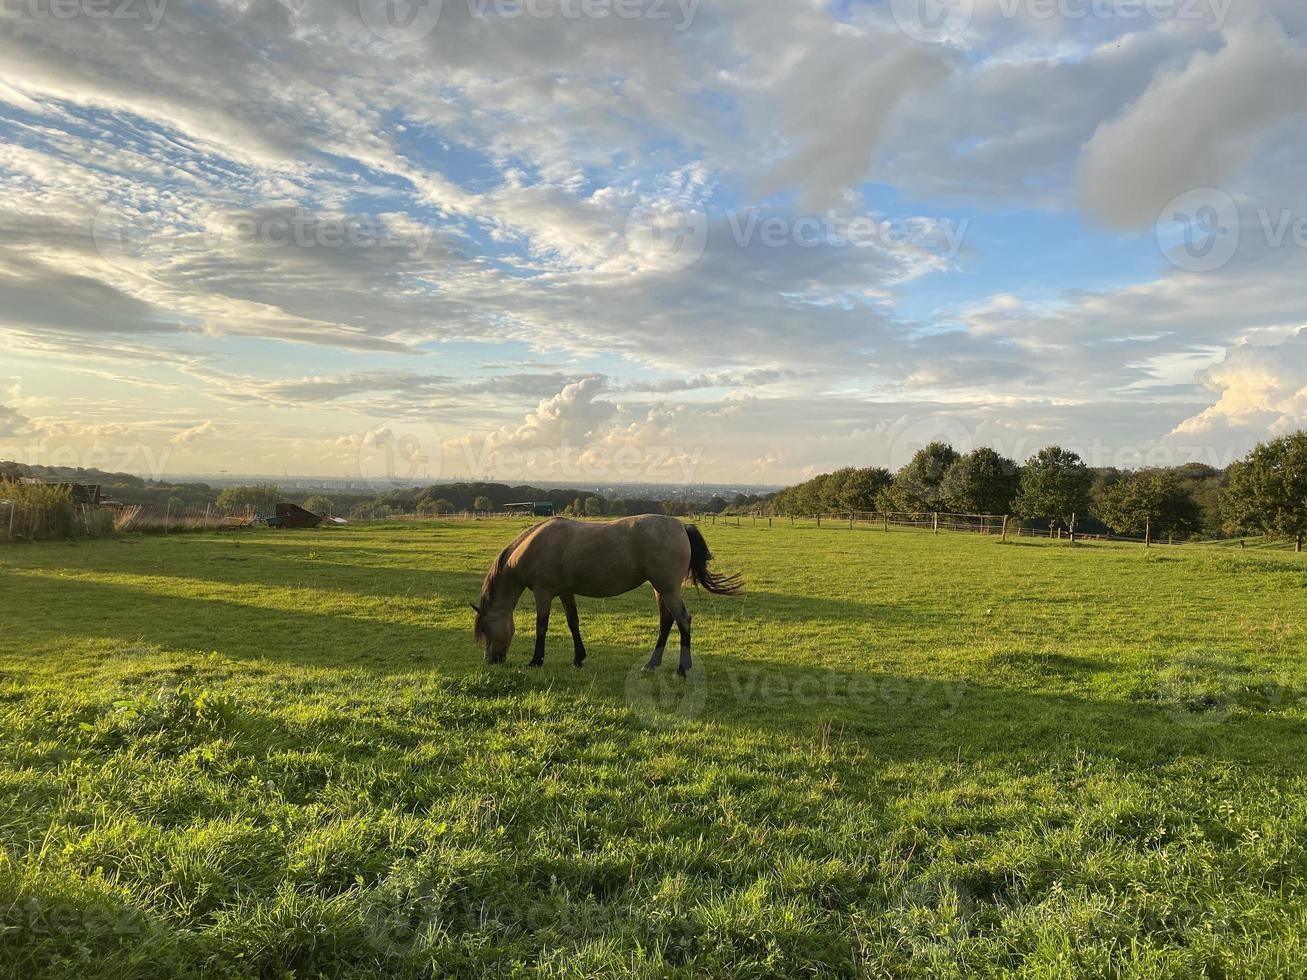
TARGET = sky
x,y
735,241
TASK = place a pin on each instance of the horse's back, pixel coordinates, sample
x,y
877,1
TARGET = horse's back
x,y
605,559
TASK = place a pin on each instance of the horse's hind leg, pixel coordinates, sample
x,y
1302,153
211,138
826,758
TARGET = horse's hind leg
x,y
574,624
665,620
682,615
543,602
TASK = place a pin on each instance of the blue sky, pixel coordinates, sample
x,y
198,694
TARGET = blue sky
x,y
746,243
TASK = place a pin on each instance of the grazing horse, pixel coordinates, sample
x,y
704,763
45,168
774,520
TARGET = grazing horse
x,y
568,558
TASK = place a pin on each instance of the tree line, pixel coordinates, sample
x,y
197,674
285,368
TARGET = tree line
x,y
1263,494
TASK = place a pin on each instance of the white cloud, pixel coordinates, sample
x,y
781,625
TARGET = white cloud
x,y
1195,126
1261,388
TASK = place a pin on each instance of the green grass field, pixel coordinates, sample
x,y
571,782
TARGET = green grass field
x,y
279,754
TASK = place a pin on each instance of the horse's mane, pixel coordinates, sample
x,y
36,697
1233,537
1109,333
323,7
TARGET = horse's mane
x,y
495,578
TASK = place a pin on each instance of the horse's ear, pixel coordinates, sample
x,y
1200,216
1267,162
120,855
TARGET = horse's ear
x,y
474,608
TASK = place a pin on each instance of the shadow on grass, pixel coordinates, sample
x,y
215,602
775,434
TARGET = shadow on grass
x,y
892,716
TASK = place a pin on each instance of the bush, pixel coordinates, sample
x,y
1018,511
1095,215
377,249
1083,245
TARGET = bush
x,y
39,511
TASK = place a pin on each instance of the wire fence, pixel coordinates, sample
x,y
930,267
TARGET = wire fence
x,y
1004,526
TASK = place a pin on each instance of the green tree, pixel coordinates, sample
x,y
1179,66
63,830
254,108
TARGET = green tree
x,y
916,487
483,505
372,510
858,493
715,505
319,504
1266,492
594,507
435,507
1149,499
616,507
673,508
1055,485
981,482
830,489
262,497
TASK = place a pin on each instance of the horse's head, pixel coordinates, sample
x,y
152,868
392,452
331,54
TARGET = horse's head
x,y
494,630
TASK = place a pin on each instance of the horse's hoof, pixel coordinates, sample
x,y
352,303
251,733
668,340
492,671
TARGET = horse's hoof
x,y
681,672
650,668
536,664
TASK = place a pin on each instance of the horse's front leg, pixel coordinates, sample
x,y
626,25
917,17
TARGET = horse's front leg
x,y
543,601
574,624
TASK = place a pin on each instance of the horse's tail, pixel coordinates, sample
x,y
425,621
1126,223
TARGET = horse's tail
x,y
700,556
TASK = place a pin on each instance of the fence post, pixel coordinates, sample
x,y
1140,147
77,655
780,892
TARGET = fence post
x,y
819,520
167,515
1148,532
1005,528
1072,529
769,522
850,522
887,523
935,521
13,509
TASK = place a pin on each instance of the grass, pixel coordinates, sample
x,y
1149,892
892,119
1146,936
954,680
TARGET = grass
x,y
277,754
